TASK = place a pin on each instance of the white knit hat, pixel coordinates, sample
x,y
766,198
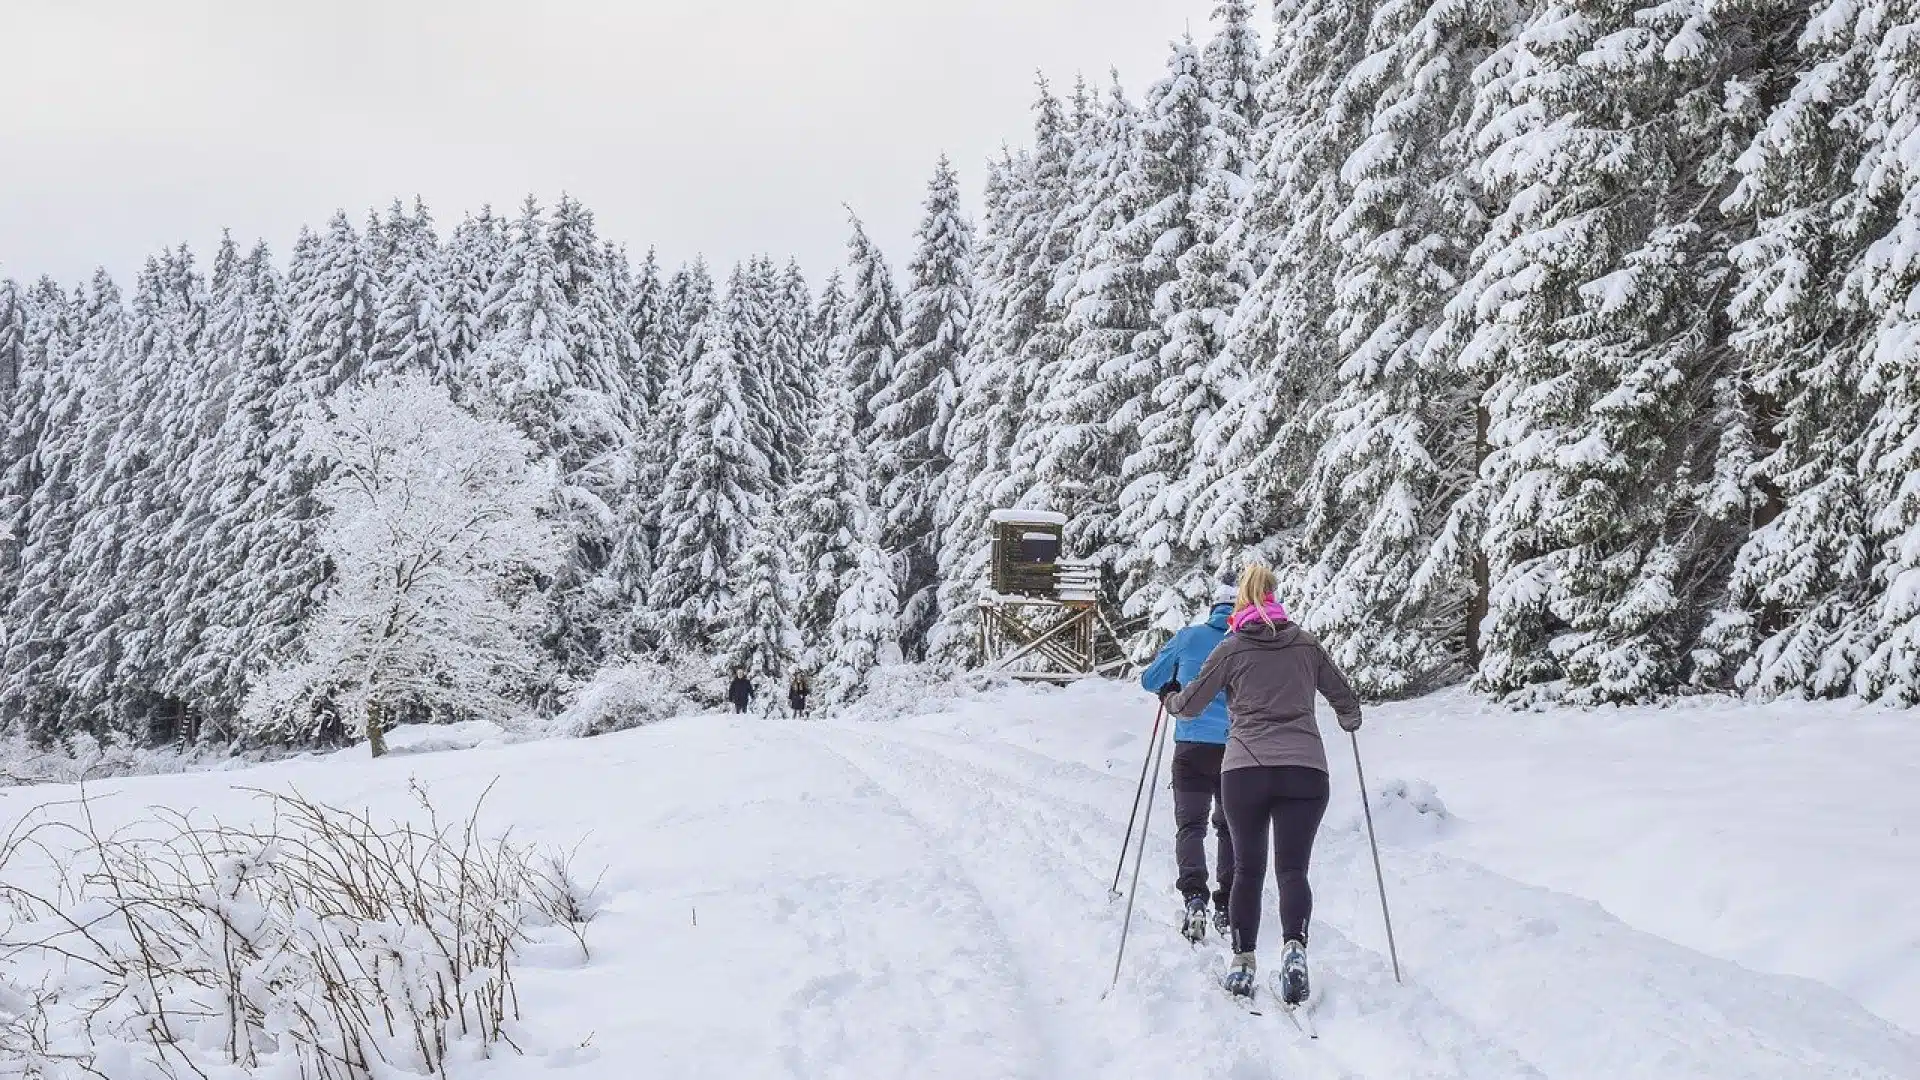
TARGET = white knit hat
x,y
1225,593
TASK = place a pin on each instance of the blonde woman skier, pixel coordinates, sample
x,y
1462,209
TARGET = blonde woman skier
x,y
1273,779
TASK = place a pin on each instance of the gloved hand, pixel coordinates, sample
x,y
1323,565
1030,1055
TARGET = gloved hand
x,y
1350,723
1168,689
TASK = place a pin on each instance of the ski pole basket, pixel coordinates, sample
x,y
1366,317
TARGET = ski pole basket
x,y
1040,616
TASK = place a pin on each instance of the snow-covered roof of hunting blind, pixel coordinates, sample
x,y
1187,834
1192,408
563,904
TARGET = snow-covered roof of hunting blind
x,y
1027,517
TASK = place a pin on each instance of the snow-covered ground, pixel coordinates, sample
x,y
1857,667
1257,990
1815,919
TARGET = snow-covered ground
x,y
927,895
1785,837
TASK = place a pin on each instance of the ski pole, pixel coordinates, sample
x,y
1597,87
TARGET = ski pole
x,y
1378,877
1140,855
1113,892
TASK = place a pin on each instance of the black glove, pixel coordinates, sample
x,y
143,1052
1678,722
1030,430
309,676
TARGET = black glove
x,y
1168,689
1350,723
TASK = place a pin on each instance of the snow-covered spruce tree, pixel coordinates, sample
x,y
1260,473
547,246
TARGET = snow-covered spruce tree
x,y
525,363
197,541
576,248
158,631
334,301
826,328
126,584
42,311
788,361
866,618
39,309
246,338
23,417
646,312
1018,331
670,350
748,309
607,417
822,512
630,567
1593,313
1025,316
1217,270
433,524
847,602
1163,577
1092,406
113,449
759,634
975,462
412,328
538,376
1047,483
603,348
1821,597
715,491
1212,276
41,502
1885,280
1257,446
1388,581
1049,213
1801,587
871,328
912,411
13,346
470,260
690,299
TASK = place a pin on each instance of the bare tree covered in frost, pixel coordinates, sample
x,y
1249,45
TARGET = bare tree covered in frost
x,y
434,530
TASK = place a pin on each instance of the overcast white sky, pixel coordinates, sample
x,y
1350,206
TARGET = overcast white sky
x,y
694,125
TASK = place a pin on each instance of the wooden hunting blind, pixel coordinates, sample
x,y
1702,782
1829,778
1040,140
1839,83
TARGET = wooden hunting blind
x,y
1040,615
1026,552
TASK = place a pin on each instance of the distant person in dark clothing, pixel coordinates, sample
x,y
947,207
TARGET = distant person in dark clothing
x,y
740,691
797,690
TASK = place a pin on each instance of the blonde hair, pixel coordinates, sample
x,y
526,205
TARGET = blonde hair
x,y
1256,584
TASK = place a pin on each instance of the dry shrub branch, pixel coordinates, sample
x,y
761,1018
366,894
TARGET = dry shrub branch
x,y
321,945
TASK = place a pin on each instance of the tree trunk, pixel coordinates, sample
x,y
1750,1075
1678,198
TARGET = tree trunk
x,y
1482,578
376,735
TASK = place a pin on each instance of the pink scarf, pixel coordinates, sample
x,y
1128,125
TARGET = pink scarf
x,y
1268,610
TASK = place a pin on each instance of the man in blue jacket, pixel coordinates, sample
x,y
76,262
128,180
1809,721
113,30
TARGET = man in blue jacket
x,y
1198,746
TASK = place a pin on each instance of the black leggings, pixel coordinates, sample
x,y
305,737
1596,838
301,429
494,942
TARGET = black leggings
x,y
1291,799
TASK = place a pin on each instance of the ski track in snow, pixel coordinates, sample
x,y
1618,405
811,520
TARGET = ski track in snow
x,y
929,898
1041,855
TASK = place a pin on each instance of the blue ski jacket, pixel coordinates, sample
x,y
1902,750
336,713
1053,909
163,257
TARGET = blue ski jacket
x,y
1181,659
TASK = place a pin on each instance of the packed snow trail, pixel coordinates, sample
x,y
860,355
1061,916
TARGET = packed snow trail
x,y
927,898
1038,854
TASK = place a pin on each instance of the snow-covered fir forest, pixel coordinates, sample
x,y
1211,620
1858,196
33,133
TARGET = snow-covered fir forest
x,y
1571,348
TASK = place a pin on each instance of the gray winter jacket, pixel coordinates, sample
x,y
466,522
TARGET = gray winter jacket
x,y
1270,674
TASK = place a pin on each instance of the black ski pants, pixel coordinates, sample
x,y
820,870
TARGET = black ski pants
x,y
1288,801
1196,795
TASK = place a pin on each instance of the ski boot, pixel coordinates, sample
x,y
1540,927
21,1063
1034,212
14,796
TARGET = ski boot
x,y
1293,974
1239,978
1193,926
